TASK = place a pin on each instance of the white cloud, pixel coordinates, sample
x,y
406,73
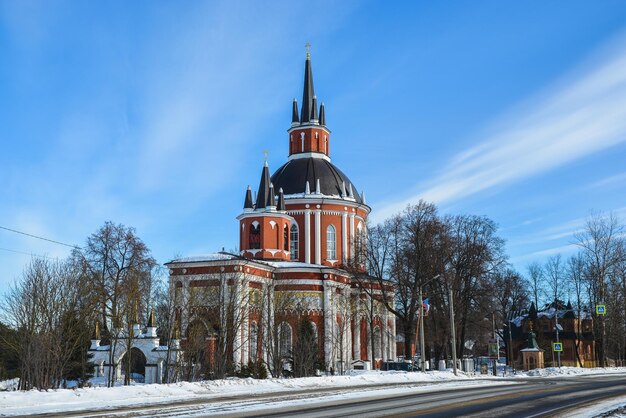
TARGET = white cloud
x,y
562,249
608,181
584,115
563,230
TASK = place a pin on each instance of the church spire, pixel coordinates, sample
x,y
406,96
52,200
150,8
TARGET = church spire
x,y
271,197
281,200
264,188
247,204
308,92
322,115
294,113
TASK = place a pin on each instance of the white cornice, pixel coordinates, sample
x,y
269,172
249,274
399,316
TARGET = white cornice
x,y
301,198
301,155
276,214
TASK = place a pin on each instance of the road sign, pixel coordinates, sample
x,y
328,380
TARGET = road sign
x,y
557,347
493,349
601,309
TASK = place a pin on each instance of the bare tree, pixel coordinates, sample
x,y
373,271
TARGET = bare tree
x,y
49,308
555,278
601,246
509,293
535,282
120,267
576,271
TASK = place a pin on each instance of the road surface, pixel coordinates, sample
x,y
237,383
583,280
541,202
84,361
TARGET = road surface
x,y
543,397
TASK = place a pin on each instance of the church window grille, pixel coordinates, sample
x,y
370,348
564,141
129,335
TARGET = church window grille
x,y
254,332
254,238
293,244
359,244
331,243
285,339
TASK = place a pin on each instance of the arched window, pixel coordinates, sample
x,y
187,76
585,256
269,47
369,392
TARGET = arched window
x,y
254,238
285,339
286,238
331,243
314,327
378,353
293,245
254,332
359,247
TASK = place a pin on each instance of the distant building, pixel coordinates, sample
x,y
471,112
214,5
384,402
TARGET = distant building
x,y
296,234
575,333
149,358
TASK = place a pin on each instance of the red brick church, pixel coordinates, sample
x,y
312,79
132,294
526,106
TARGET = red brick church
x,y
296,233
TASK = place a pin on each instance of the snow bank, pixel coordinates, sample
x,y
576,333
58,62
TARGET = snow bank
x,y
571,371
32,402
613,408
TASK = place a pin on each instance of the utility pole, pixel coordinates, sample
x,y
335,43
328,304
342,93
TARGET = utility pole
x,y
421,319
495,338
421,323
452,330
511,360
556,327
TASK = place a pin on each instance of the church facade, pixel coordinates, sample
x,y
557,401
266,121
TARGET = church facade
x,y
297,233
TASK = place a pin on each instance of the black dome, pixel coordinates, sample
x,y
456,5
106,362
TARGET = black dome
x,y
294,174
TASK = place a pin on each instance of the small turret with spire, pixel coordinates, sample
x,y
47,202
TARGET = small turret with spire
x,y
95,341
259,224
151,325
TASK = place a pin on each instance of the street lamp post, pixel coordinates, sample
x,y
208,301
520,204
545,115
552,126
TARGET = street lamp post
x,y
452,330
421,319
511,360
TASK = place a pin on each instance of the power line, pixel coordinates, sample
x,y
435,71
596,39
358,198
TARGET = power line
x,y
38,237
25,253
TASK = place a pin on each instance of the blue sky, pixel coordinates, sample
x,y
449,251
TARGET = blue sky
x,y
156,114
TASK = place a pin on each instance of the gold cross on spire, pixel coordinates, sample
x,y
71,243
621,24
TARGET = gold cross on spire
x,y
308,50
265,154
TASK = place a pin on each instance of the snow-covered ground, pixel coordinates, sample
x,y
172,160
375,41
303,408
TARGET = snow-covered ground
x,y
613,408
31,402
571,371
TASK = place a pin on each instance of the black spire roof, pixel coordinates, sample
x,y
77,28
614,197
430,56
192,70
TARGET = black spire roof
x,y
308,93
151,321
247,204
294,112
281,200
264,188
322,115
314,109
271,197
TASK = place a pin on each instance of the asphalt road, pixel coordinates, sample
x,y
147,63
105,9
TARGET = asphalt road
x,y
526,398
543,398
